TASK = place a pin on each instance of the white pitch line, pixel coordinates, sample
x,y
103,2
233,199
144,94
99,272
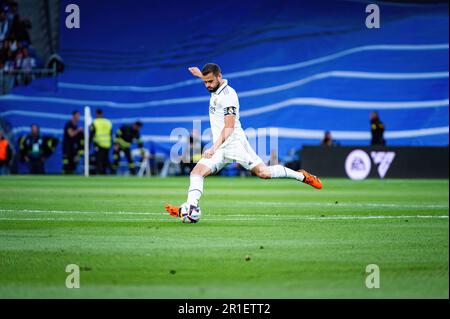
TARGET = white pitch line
x,y
83,220
352,205
261,70
233,218
258,203
74,212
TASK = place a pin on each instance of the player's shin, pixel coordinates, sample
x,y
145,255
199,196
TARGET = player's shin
x,y
279,171
195,189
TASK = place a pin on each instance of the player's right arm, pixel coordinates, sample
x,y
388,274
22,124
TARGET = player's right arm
x,y
195,71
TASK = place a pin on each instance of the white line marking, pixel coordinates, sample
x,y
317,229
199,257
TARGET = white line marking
x,y
26,211
359,205
272,69
258,203
343,74
231,217
243,94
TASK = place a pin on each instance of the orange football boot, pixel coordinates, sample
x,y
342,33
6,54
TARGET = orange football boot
x,y
172,210
310,179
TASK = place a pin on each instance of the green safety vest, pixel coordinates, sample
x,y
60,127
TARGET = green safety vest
x,y
102,132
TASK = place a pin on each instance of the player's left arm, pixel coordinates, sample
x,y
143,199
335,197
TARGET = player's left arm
x,y
226,131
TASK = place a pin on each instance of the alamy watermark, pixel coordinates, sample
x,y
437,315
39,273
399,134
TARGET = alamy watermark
x,y
373,279
73,17
73,279
373,19
189,145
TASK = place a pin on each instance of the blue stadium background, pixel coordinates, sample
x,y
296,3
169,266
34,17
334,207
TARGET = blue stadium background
x,y
300,66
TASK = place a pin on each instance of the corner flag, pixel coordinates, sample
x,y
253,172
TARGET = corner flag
x,y
87,124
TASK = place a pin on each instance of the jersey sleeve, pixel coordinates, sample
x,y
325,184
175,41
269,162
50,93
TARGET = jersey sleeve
x,y
230,103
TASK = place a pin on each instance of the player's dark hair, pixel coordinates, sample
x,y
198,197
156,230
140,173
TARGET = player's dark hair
x,y
75,112
211,68
99,111
138,124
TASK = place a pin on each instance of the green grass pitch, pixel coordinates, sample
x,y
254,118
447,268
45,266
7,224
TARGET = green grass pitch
x,y
301,242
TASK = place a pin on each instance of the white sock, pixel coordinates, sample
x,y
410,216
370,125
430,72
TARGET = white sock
x,y
278,171
195,190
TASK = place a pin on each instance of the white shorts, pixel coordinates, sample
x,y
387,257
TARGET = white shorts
x,y
237,150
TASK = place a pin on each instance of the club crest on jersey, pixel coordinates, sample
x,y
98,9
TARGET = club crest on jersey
x,y
212,109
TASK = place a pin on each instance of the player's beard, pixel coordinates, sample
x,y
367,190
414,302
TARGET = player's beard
x,y
212,90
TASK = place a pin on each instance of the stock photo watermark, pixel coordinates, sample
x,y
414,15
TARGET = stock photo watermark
x,y
73,279
373,20
188,144
73,17
373,279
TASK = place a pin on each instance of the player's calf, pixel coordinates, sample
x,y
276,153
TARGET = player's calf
x,y
279,171
276,171
262,171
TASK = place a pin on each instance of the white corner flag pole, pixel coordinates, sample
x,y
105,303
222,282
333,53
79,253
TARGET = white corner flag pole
x,y
87,124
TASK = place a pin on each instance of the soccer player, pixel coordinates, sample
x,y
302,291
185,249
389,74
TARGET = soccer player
x,y
230,142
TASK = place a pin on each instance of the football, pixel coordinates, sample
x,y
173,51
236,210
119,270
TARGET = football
x,y
190,213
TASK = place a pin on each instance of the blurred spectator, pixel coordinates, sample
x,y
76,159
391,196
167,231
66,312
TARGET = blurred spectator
x,y
9,63
5,154
25,63
73,144
377,129
13,46
101,135
4,25
328,140
4,51
13,11
32,150
125,136
15,51
19,29
192,153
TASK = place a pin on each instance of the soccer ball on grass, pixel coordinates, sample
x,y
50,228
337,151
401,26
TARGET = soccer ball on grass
x,y
190,213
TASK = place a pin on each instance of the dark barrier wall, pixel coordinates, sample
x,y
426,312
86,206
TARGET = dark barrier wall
x,y
376,162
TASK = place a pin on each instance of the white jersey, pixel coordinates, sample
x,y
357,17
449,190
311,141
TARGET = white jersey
x,y
222,102
236,147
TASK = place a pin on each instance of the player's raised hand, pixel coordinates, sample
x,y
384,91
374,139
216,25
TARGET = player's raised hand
x,y
195,71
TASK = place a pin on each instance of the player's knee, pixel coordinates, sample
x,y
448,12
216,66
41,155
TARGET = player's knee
x,y
194,172
200,170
